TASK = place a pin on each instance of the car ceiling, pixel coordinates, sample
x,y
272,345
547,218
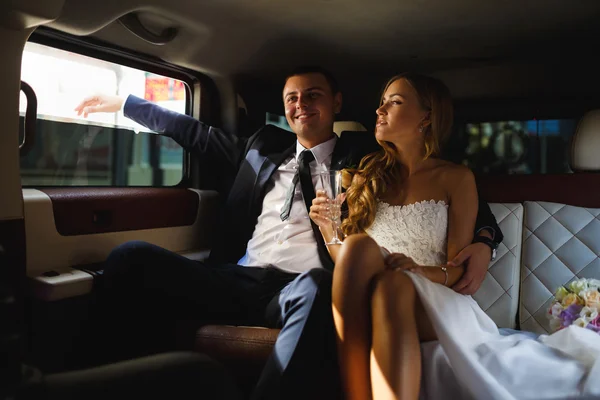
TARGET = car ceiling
x,y
261,36
259,40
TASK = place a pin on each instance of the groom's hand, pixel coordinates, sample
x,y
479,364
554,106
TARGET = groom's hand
x,y
476,258
99,103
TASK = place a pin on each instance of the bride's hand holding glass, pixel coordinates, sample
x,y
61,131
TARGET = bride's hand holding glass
x,y
320,214
331,182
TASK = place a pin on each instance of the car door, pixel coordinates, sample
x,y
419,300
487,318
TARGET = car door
x,y
79,187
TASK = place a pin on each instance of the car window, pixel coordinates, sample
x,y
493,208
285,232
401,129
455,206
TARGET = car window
x,y
514,147
278,120
104,149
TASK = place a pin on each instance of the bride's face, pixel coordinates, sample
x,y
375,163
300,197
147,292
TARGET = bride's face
x,y
401,114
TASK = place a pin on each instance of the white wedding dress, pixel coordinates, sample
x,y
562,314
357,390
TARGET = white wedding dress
x,y
472,359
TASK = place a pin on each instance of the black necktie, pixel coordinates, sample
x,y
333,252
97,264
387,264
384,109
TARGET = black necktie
x,y
308,190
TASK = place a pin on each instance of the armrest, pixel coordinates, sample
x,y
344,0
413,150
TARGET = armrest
x,y
58,285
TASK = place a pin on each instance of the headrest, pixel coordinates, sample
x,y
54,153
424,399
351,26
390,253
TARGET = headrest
x,y
341,126
585,145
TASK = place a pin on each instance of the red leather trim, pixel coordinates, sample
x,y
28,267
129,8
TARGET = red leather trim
x,y
580,189
82,211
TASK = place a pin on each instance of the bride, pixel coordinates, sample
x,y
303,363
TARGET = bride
x,y
402,333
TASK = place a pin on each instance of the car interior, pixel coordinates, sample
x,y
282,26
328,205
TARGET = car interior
x,y
523,76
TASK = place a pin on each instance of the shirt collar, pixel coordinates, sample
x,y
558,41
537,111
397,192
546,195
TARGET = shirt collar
x,y
321,151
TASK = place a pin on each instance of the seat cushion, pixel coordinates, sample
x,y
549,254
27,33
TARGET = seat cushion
x,y
499,292
252,344
243,350
561,243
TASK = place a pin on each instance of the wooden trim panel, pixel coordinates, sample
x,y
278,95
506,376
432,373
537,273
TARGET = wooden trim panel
x,y
83,211
580,189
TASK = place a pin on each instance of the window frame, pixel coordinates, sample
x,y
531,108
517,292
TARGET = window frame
x,y
523,108
195,83
473,111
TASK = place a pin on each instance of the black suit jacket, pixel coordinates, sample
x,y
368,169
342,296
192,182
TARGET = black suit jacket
x,y
245,166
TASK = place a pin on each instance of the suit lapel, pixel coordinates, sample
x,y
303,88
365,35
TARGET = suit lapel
x,y
347,152
269,164
339,156
351,147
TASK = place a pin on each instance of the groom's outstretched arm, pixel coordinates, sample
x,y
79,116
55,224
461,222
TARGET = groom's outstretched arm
x,y
223,148
219,148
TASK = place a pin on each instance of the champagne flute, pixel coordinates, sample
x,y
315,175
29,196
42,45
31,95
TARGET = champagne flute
x,y
332,185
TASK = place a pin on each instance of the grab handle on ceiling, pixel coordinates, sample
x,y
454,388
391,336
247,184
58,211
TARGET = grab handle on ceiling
x,y
133,24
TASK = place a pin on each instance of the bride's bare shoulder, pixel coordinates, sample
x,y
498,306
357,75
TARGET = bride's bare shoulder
x,y
453,174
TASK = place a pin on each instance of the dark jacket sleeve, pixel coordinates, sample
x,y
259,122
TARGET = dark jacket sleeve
x,y
486,220
222,149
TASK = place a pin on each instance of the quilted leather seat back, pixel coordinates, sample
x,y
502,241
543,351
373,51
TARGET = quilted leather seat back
x,y
560,243
499,292
341,126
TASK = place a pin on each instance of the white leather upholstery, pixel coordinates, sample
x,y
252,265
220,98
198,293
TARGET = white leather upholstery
x,y
586,143
499,292
560,243
341,126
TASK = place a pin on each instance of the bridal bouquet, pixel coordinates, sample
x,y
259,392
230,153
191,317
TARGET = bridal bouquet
x,y
578,303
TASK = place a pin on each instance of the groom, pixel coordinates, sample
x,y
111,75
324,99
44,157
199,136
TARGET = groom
x,y
250,278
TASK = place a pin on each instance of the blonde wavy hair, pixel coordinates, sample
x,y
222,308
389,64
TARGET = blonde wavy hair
x,y
379,171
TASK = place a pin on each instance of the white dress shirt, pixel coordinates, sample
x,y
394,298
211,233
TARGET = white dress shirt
x,y
288,245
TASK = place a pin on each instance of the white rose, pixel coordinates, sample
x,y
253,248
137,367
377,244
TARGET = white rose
x,y
556,309
593,284
555,324
578,286
588,314
591,298
580,322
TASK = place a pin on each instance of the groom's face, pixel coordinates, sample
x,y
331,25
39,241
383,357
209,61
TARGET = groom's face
x,y
310,107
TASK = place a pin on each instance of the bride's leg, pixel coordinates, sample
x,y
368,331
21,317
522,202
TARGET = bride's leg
x,y
399,325
358,262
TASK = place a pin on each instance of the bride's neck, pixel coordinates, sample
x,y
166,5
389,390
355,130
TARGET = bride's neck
x,y
412,158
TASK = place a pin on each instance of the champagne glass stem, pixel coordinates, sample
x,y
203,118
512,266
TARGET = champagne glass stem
x,y
335,233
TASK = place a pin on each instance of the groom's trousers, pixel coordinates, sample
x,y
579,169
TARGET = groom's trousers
x,y
149,295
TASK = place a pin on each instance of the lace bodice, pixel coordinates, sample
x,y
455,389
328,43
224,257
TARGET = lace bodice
x,y
418,230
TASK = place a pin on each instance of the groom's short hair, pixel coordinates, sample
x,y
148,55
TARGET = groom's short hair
x,y
315,69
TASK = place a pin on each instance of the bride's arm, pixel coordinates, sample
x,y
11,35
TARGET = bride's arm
x,y
318,214
462,214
